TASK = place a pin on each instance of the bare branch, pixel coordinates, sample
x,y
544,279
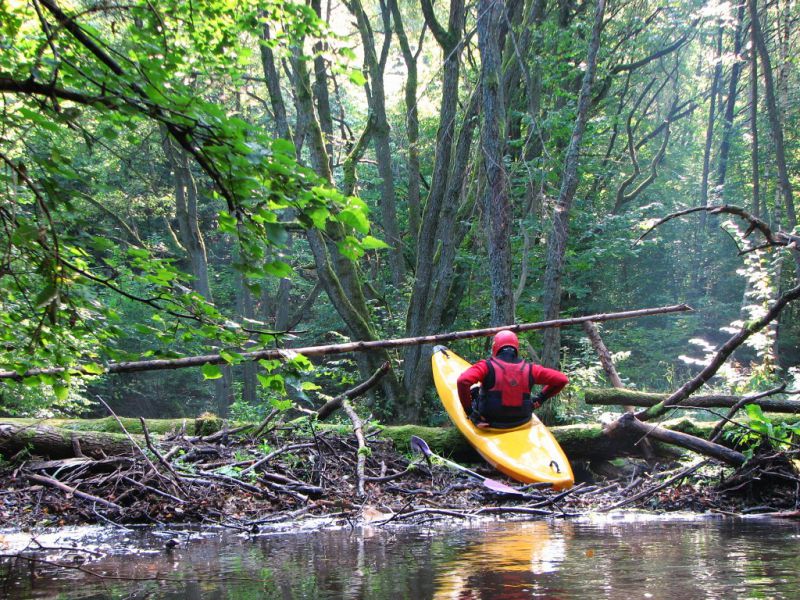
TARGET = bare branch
x,y
284,353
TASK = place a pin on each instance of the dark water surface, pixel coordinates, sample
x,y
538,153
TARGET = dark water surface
x,y
613,557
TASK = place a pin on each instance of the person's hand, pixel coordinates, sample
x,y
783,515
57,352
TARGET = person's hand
x,y
475,393
538,400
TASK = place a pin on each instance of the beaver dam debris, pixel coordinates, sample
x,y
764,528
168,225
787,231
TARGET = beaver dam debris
x,y
244,480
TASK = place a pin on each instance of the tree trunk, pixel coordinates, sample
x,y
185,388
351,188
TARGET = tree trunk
x,y
246,306
412,121
415,359
730,106
629,425
557,242
446,286
494,199
193,244
756,200
712,116
380,134
337,274
579,442
699,279
772,113
371,347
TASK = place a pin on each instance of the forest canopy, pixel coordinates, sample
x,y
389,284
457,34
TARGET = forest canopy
x,y
220,177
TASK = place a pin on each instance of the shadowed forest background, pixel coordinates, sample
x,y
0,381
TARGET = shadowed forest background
x,y
217,177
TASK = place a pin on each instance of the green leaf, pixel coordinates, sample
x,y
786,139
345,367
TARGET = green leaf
x,y
93,368
372,243
354,218
754,412
232,358
278,268
281,146
211,371
227,223
357,77
61,392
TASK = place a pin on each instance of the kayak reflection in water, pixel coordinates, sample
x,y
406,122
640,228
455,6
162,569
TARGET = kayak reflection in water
x,y
502,564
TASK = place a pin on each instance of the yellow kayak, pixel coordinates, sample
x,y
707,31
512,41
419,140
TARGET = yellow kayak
x,y
528,453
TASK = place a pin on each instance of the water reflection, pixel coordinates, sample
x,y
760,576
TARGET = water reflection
x,y
502,561
609,558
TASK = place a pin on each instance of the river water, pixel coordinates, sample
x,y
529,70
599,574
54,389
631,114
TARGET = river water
x,y
618,556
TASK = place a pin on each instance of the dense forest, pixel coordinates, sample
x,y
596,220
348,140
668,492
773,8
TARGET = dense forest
x,y
217,177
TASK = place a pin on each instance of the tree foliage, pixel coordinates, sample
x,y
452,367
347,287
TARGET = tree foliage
x,y
293,125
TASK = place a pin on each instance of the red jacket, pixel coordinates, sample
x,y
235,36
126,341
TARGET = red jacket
x,y
552,380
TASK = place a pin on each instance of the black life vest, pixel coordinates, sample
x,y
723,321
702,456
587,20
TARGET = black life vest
x,y
505,398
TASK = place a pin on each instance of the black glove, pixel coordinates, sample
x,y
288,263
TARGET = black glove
x,y
475,393
538,400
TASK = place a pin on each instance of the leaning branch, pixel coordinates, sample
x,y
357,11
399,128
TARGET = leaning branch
x,y
288,353
330,406
779,238
680,396
629,424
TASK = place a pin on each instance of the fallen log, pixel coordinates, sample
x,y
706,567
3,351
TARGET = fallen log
x,y
580,442
57,443
360,346
628,425
622,397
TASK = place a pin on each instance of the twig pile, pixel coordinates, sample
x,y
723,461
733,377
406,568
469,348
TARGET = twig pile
x,y
233,480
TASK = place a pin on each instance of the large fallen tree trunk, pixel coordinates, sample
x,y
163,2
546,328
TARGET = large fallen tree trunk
x,y
621,397
283,353
103,437
54,442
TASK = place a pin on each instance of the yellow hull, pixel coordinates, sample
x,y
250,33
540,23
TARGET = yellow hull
x,y
528,453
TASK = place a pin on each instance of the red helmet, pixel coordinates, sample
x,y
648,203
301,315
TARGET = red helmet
x,y
503,339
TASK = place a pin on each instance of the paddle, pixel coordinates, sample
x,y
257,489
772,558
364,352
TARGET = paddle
x,y
421,446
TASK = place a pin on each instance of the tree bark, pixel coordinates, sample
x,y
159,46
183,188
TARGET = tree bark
x,y
321,92
445,289
191,239
772,113
557,242
494,199
579,442
412,121
246,308
730,106
338,274
699,279
630,425
756,200
58,443
621,397
380,133
433,221
603,354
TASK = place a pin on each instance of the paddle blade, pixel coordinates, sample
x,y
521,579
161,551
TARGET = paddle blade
x,y
419,446
502,488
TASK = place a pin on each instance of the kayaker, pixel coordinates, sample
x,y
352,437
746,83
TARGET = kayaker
x,y
504,398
